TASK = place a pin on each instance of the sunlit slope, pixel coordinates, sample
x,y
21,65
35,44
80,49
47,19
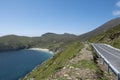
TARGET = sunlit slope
x,y
111,36
57,62
106,26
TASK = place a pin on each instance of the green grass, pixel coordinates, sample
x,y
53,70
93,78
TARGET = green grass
x,y
116,44
85,64
112,37
56,63
89,48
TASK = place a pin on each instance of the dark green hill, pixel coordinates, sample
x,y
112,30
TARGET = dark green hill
x,y
13,42
110,24
49,40
54,41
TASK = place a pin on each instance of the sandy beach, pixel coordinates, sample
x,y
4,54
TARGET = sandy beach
x,y
42,49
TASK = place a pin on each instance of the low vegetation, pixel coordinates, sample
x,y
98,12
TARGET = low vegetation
x,y
56,63
13,42
106,26
79,67
76,62
112,37
54,42
85,64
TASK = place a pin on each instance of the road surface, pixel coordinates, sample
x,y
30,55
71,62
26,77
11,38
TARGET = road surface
x,y
111,54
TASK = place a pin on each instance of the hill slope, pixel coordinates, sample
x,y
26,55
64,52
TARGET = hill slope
x,y
54,41
13,42
110,24
56,63
111,36
49,40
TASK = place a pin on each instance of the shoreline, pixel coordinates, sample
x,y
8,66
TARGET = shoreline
x,y
42,49
38,49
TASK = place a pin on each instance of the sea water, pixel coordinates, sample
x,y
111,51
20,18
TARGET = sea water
x,y
16,64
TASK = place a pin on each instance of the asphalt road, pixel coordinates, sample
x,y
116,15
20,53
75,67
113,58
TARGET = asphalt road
x,y
111,54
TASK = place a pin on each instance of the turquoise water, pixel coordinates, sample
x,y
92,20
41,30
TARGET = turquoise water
x,y
16,64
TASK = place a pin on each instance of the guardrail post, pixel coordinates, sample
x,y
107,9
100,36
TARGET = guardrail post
x,y
108,67
103,61
118,76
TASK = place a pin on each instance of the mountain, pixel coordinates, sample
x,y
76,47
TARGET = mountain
x,y
52,37
13,42
51,41
111,36
54,41
59,64
110,24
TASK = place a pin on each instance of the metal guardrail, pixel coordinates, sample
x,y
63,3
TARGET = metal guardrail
x,y
110,66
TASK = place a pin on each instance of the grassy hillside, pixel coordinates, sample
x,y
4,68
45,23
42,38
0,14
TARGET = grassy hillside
x,y
106,26
13,42
111,36
54,42
57,62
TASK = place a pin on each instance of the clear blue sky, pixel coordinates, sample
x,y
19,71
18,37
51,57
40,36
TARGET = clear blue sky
x,y
36,17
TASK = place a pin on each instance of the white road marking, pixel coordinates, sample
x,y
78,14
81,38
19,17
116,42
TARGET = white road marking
x,y
117,72
108,52
112,47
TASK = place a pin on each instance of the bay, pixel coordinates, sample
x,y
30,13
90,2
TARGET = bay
x,y
16,64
